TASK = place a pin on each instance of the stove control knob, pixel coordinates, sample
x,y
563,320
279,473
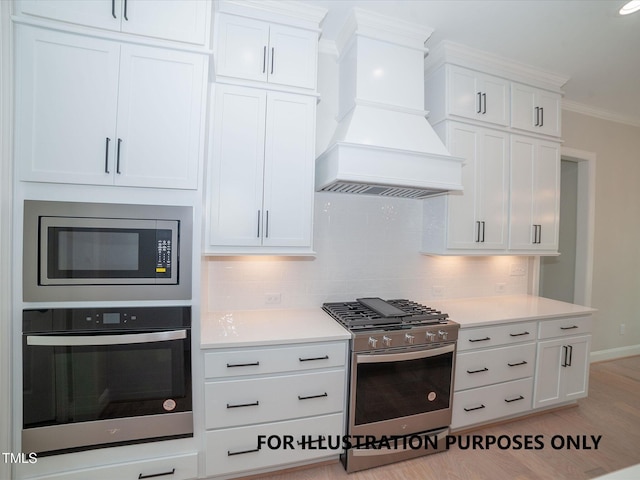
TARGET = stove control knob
x,y
431,336
387,341
408,338
443,334
373,342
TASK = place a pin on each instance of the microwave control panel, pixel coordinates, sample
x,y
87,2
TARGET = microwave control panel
x,y
163,254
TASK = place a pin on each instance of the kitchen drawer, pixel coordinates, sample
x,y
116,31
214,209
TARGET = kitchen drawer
x,y
259,400
236,449
486,367
485,404
470,338
259,361
563,327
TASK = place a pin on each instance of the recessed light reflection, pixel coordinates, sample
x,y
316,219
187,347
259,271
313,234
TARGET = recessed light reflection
x,y
630,7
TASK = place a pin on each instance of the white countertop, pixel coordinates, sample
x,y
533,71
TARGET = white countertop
x,y
474,312
244,328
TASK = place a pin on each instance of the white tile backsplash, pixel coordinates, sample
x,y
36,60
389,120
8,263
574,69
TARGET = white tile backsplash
x,y
366,246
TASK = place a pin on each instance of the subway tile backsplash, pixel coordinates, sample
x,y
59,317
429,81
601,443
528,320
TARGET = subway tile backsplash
x,y
366,246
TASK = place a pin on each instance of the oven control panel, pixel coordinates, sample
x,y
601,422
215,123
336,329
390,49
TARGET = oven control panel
x,y
416,336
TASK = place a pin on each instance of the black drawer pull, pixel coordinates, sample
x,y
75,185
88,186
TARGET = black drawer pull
x,y
479,339
514,399
325,394
326,357
474,408
239,405
518,334
241,452
232,365
318,440
524,362
569,328
141,476
485,369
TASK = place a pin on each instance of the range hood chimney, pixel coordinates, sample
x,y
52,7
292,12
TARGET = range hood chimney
x,y
383,143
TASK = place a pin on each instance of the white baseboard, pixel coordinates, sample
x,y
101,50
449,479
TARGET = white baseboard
x,y
613,353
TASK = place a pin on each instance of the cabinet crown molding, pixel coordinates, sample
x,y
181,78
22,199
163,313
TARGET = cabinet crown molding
x,y
278,11
464,56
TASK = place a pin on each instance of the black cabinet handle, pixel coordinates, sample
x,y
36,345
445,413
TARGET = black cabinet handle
x,y
240,405
565,351
569,328
518,334
273,54
325,394
570,350
477,232
125,11
537,124
258,232
154,475
106,156
118,157
474,408
520,397
113,8
479,102
539,233
479,339
266,229
326,357
485,369
242,452
483,227
232,365
517,364
318,440
542,116
484,107
264,59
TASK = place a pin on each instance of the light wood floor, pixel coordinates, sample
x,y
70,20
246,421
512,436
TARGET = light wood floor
x,y
611,410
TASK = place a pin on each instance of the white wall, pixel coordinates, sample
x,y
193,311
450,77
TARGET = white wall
x,y
616,265
366,246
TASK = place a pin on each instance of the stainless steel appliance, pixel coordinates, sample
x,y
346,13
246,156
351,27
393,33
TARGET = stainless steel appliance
x,y
94,251
96,377
402,364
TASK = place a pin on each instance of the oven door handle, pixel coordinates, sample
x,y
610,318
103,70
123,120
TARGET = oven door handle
x,y
399,357
87,340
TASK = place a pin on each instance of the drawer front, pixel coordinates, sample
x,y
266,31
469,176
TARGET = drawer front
x,y
471,338
485,404
562,327
495,365
234,450
259,361
258,400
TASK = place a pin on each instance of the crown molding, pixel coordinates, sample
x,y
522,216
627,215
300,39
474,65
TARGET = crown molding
x,y
590,111
275,10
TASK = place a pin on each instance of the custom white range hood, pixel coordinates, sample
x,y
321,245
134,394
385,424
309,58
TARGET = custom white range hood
x,y
383,144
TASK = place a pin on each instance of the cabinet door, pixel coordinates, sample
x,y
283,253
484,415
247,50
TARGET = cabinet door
x,y
66,103
495,100
93,13
576,375
535,110
236,175
159,117
242,48
546,195
289,169
292,56
478,96
548,386
180,20
550,115
521,230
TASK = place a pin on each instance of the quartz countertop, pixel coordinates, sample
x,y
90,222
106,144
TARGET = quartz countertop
x,y
480,311
243,328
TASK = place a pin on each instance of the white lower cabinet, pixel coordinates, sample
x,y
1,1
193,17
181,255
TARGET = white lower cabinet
x,y
267,408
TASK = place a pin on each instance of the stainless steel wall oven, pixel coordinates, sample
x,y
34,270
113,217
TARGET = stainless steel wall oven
x,y
96,377
93,251
401,386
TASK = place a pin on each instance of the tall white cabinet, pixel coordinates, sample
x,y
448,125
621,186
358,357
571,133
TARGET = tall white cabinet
x,y
260,168
505,122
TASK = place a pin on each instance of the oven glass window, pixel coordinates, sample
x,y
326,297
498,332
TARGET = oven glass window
x,y
392,389
78,384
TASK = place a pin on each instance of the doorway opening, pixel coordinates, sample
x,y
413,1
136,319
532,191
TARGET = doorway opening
x,y
568,277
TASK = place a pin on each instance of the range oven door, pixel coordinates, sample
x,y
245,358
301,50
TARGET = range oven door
x,y
402,392
83,391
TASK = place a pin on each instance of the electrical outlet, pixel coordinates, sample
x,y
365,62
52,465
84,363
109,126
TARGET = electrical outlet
x,y
623,329
501,287
437,291
518,270
273,298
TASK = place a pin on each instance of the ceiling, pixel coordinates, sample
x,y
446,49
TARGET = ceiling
x,y
585,40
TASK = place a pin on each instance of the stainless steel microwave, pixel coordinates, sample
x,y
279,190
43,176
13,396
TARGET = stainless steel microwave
x,y
95,251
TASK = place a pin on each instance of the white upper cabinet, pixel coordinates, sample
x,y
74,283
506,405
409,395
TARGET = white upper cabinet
x,y
535,110
260,188
535,194
256,50
95,111
467,94
176,20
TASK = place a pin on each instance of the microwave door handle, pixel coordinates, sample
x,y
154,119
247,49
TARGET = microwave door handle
x,y
87,340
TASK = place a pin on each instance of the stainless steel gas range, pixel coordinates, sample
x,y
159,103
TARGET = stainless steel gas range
x,y
401,380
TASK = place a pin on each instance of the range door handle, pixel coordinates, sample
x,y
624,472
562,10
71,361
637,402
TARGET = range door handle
x,y
86,340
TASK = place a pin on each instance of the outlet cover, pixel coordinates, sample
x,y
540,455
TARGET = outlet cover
x,y
273,298
518,270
